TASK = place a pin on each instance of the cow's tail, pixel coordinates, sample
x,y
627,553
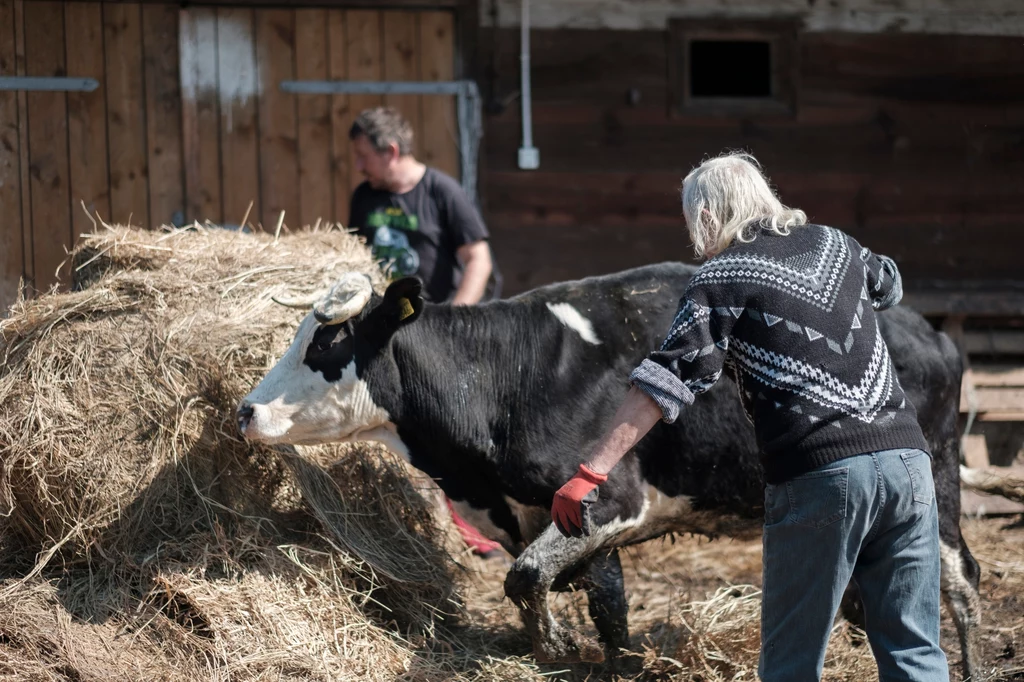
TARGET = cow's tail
x,y
992,482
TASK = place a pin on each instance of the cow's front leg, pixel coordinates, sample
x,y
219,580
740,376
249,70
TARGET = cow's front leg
x,y
606,599
527,585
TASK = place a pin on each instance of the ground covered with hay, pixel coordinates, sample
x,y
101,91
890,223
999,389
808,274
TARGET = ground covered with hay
x,y
140,539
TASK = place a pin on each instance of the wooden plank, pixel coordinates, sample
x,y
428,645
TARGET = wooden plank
x,y
997,400
975,450
974,303
365,32
316,199
525,250
996,376
27,245
87,112
997,342
279,163
126,118
200,114
341,115
401,48
48,145
12,263
580,65
239,130
414,4
163,115
439,136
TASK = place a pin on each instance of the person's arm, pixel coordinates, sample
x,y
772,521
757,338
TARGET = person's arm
x,y
476,263
688,363
883,281
635,417
469,236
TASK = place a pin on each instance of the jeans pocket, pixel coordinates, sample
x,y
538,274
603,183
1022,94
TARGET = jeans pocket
x,y
818,499
919,467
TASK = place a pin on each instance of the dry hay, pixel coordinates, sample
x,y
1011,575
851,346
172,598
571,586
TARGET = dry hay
x,y
142,538
718,639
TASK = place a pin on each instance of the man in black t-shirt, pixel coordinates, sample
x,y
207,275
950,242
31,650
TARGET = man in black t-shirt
x,y
417,220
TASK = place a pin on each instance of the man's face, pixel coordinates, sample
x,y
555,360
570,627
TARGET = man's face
x,y
374,165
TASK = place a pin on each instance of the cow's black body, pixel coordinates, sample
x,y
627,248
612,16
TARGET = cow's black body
x,y
501,402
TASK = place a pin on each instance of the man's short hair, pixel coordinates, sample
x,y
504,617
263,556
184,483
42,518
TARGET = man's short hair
x,y
383,126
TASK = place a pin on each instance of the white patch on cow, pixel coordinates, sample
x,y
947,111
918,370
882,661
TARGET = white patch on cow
x,y
296,405
571,318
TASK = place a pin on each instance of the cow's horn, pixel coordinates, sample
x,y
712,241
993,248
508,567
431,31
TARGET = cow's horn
x,y
345,300
301,301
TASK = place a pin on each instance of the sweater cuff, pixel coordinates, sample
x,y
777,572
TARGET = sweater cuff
x,y
894,293
663,387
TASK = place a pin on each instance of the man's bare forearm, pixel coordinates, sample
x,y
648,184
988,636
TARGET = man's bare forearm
x,y
635,417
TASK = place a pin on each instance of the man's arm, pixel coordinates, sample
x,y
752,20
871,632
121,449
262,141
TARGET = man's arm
x,y
476,263
636,415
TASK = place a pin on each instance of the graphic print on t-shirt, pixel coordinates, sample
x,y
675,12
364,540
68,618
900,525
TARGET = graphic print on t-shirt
x,y
390,244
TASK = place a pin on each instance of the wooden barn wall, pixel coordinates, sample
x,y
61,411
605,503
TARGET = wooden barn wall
x,y
912,142
188,122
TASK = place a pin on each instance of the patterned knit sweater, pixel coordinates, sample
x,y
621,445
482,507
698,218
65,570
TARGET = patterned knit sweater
x,y
792,318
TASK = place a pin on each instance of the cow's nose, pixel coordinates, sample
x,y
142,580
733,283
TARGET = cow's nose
x,y
244,416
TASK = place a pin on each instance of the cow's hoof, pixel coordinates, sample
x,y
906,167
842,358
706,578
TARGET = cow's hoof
x,y
569,646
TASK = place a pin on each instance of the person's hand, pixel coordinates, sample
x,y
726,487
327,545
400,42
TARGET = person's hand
x,y
570,509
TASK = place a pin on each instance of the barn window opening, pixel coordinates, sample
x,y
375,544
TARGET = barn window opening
x,y
730,68
733,68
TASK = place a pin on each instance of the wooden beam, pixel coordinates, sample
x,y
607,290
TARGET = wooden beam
x,y
87,111
279,161
998,375
341,115
48,146
239,129
316,201
166,179
374,4
12,264
996,342
126,115
960,302
200,114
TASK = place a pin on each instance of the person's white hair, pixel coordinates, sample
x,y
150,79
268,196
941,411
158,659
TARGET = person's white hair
x,y
728,198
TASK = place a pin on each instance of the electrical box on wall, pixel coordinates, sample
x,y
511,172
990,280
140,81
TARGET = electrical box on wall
x,y
529,158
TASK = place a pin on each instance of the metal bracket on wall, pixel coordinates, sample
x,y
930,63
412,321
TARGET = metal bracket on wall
x,y
48,83
468,107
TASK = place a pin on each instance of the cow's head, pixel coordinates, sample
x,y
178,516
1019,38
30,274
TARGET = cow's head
x,y
315,393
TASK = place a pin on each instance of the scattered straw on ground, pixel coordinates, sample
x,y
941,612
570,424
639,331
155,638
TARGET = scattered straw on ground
x,y
142,540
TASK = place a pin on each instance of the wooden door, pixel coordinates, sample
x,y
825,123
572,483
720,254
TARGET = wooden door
x,y
67,157
254,151
188,122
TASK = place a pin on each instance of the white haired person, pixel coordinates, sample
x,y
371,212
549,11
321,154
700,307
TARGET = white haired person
x,y
789,307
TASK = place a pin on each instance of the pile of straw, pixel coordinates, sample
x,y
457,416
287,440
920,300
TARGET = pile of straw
x,y
141,538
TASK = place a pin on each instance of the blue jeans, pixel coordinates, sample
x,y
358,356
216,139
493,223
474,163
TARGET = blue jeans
x,y
872,518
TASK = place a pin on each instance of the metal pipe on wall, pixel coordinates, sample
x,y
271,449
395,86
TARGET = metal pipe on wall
x,y
529,156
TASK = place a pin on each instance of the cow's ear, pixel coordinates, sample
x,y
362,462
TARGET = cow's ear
x,y
403,301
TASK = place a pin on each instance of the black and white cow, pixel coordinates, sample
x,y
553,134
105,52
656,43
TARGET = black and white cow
x,y
500,402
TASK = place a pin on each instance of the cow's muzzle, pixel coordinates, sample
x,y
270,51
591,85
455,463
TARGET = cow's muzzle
x,y
244,415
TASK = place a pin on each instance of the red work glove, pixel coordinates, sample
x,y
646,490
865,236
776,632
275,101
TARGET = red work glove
x,y
570,509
